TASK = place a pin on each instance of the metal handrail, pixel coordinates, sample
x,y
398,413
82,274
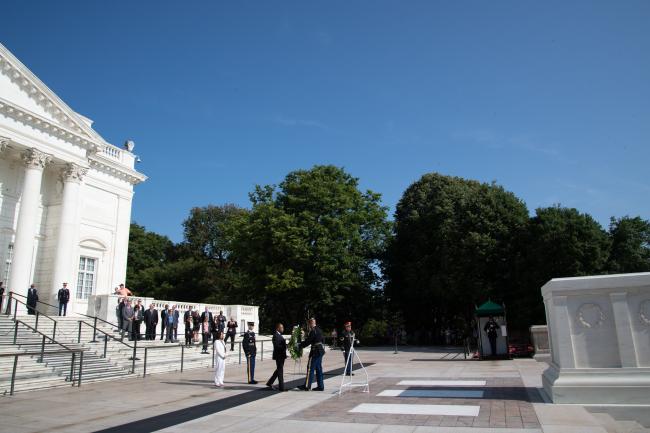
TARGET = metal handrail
x,y
81,314
73,352
38,313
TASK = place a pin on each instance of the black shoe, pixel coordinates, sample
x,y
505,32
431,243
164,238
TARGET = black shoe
x,y
302,388
282,390
318,389
253,382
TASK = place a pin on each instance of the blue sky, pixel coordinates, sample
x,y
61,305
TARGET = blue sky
x,y
550,99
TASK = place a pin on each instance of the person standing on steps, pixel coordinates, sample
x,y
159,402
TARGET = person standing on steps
x,y
163,320
63,296
316,352
205,331
127,320
210,320
279,355
150,322
171,324
250,349
32,299
232,331
221,322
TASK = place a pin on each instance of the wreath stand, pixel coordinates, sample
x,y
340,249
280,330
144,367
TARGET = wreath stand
x,y
351,383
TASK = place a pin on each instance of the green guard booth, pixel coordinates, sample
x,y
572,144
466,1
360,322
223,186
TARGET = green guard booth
x,y
498,313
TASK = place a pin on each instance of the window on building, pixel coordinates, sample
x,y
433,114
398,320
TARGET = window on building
x,y
86,277
9,257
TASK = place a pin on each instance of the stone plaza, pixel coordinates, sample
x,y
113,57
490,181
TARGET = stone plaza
x,y
416,390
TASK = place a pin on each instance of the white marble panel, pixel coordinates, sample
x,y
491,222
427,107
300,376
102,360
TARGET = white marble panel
x,y
417,409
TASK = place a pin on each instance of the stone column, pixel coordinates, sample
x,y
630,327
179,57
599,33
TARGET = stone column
x,y
68,235
21,264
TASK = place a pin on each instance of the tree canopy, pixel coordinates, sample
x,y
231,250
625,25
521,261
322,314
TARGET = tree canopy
x,y
316,244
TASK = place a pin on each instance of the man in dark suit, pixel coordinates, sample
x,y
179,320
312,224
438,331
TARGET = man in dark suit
x,y
206,313
279,355
32,299
213,331
163,320
63,296
150,322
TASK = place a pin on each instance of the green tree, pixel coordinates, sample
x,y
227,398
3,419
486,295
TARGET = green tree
x,y
147,251
311,247
209,235
630,249
455,245
559,242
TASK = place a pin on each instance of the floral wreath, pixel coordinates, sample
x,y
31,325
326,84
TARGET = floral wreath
x,y
585,323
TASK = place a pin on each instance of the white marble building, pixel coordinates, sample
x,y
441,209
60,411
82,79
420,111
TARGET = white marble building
x,y
65,194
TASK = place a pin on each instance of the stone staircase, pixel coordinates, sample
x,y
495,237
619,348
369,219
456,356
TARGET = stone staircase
x,y
54,370
31,372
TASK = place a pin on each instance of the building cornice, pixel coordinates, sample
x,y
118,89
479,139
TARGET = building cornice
x,y
105,165
46,126
68,126
39,92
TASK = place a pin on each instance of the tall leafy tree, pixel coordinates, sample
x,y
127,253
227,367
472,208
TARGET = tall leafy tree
x,y
630,248
559,242
147,251
209,235
455,245
311,247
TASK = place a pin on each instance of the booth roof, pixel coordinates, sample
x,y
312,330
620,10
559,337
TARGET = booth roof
x,y
489,309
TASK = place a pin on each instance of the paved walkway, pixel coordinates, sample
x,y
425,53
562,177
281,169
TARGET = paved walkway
x,y
418,390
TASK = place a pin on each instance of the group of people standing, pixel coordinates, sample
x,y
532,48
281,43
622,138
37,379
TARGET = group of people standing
x,y
313,340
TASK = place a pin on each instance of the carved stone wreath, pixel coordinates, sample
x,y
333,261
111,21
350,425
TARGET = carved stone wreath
x,y
644,312
590,315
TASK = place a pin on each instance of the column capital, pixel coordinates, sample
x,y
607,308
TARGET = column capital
x,y
73,173
4,143
35,158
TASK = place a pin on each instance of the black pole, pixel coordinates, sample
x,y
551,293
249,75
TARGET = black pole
x,y
15,332
105,344
54,331
36,324
42,348
182,357
144,370
94,340
13,375
79,334
81,366
72,368
133,358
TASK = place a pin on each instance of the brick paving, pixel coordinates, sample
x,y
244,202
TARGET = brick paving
x,y
506,403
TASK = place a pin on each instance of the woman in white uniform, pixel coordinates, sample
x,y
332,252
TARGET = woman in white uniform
x,y
220,361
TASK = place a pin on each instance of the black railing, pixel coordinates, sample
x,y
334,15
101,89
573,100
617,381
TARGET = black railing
x,y
73,352
38,314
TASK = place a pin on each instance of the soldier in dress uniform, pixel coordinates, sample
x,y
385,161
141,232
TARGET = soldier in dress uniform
x,y
348,340
491,328
315,365
250,350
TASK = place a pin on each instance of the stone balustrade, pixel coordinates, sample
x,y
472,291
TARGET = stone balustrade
x,y
104,307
